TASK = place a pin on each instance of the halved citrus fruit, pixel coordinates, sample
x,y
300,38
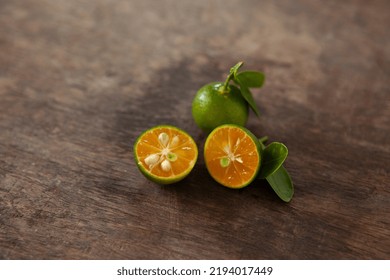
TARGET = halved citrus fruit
x,y
165,154
232,156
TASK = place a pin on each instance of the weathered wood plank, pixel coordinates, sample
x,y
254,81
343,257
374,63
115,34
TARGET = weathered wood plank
x,y
80,81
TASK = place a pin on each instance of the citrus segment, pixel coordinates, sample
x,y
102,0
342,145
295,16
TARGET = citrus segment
x,y
232,156
165,154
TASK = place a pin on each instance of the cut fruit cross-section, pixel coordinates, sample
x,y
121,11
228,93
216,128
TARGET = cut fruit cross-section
x,y
232,156
165,154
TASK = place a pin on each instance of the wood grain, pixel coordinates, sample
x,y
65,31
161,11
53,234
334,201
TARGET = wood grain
x,y
80,80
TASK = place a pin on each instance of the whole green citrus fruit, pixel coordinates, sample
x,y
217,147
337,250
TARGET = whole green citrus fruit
x,y
215,105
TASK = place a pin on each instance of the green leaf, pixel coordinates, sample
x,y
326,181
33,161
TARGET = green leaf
x,y
251,79
247,96
272,158
281,183
235,68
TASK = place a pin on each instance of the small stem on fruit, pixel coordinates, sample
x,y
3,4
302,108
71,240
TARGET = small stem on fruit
x,y
233,71
263,139
225,85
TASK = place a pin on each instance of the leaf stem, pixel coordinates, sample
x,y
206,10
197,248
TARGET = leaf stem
x,y
232,74
225,85
263,139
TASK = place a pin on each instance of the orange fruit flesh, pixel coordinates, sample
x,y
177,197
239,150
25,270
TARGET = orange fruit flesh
x,y
231,157
166,152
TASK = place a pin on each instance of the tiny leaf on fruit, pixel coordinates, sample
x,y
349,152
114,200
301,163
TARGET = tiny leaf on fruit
x,y
272,158
247,95
235,68
251,79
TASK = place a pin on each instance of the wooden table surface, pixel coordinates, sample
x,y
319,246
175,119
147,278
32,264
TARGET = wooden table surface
x,y
80,80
